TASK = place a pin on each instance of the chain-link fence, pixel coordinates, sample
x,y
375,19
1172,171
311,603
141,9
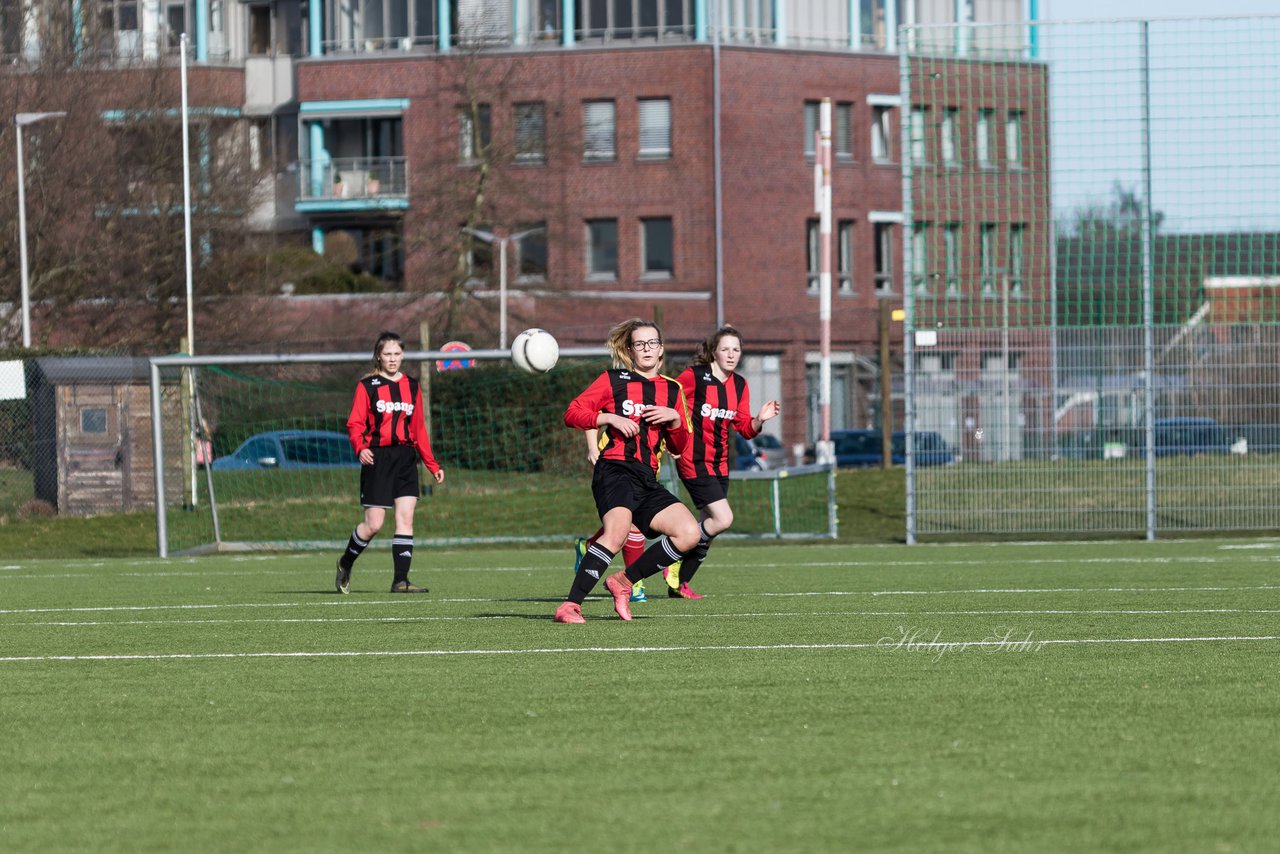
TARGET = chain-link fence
x,y
1092,266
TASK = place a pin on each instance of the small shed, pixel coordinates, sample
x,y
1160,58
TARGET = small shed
x,y
93,450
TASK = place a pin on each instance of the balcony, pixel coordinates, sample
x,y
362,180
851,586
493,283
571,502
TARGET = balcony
x,y
352,184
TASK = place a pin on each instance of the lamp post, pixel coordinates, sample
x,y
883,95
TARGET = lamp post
x,y
501,241
20,121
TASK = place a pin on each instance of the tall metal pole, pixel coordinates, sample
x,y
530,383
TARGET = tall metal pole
x,y
20,121
715,156
502,292
186,199
22,243
825,452
1148,263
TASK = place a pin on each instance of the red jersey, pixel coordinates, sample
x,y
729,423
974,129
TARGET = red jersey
x,y
620,391
714,406
389,412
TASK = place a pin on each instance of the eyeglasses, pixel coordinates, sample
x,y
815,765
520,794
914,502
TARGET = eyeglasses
x,y
647,345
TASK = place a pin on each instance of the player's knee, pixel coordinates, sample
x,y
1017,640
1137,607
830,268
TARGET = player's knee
x,y
720,522
686,535
374,526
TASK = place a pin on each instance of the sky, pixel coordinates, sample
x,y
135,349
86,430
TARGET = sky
x,y
1214,114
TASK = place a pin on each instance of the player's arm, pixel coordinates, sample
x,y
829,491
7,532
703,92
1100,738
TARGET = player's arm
x,y
587,410
679,433
418,433
358,425
593,445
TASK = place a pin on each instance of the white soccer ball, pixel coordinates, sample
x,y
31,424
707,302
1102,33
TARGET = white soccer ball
x,y
535,351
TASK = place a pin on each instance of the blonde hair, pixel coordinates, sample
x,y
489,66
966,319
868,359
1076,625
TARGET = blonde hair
x,y
706,354
620,341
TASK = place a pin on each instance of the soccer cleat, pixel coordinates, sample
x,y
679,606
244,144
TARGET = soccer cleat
x,y
579,552
620,589
569,612
637,592
672,575
683,592
406,587
342,580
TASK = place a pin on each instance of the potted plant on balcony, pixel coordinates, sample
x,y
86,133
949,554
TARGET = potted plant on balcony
x,y
374,182
339,189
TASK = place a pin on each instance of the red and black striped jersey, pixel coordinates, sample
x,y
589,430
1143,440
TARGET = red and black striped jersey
x,y
389,412
714,406
624,392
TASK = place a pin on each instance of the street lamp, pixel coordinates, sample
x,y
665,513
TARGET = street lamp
x,y
20,121
491,238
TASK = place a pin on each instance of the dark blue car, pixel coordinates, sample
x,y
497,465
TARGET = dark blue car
x,y
1189,436
290,449
863,448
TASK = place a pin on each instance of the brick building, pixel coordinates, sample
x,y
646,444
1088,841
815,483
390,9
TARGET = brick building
x,y
587,130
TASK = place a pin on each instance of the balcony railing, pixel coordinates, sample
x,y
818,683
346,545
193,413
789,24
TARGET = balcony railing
x,y
354,178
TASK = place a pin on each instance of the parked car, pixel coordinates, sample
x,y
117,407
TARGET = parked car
x,y
863,448
746,456
771,446
1189,436
289,449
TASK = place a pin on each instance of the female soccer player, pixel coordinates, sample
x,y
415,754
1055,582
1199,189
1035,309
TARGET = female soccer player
x,y
718,399
636,410
389,433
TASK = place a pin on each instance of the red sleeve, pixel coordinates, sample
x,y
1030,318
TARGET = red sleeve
x,y
688,384
358,420
742,423
418,432
586,408
678,435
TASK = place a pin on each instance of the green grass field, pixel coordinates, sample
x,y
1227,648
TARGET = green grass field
x,y
981,698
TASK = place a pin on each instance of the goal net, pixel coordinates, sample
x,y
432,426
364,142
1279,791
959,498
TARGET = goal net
x,y
259,457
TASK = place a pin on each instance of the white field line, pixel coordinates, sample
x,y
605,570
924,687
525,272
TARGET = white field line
x,y
345,602
34,573
881,644
686,616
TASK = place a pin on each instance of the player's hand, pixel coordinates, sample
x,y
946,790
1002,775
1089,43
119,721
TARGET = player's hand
x,y
771,409
625,426
661,415
438,475
366,457
593,454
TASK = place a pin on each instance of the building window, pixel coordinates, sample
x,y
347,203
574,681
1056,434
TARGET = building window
x,y
599,133
881,134
93,421
602,248
987,259
633,19
919,146
951,249
1015,259
531,133
920,257
884,257
812,245
546,20
658,249
655,128
948,137
474,129
844,255
477,255
841,130
982,137
531,251
1013,139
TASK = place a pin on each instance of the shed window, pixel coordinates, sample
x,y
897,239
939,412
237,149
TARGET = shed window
x,y
93,420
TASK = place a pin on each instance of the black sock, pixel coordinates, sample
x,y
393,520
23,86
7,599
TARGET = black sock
x,y
401,556
355,546
694,559
594,565
660,554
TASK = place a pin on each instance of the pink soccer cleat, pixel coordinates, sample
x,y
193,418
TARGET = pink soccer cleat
x,y
569,612
620,588
683,592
